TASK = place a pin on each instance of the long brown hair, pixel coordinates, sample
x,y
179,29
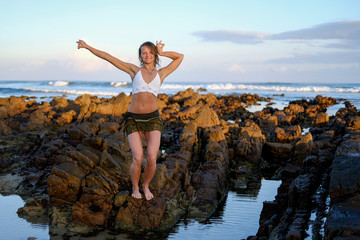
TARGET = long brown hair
x,y
153,50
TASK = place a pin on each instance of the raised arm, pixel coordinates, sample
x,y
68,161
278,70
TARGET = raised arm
x,y
129,68
176,60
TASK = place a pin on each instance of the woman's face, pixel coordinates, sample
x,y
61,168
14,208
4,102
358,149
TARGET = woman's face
x,y
146,55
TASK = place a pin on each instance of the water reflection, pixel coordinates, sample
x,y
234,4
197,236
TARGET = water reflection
x,y
236,218
13,227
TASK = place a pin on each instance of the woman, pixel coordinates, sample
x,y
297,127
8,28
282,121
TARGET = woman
x,y
143,117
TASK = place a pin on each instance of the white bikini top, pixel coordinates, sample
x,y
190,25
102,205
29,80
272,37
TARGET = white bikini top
x,y
139,84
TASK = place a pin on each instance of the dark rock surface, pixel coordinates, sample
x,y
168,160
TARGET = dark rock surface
x,y
71,161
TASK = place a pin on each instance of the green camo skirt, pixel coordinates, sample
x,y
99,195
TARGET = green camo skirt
x,y
135,122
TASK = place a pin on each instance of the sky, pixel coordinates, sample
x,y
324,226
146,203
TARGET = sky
x,y
234,41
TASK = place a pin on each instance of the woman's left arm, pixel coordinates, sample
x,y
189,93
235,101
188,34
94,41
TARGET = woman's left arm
x,y
176,60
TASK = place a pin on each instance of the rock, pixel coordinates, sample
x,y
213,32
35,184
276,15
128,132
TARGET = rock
x,y
354,124
286,135
295,109
3,112
35,207
63,185
59,102
40,118
250,143
268,210
182,95
206,117
277,152
343,219
4,128
192,100
303,148
321,119
66,117
82,130
268,123
16,105
83,100
324,101
312,110
300,191
10,183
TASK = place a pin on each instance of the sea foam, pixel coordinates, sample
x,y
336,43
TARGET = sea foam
x,y
73,92
59,83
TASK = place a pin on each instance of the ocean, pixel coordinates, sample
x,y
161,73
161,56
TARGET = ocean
x,y
282,92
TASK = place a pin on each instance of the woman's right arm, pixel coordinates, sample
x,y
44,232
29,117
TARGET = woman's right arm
x,y
129,68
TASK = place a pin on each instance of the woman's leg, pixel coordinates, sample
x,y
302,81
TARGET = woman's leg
x,y
135,170
153,144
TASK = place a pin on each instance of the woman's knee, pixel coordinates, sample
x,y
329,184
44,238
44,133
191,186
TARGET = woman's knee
x,y
151,159
137,159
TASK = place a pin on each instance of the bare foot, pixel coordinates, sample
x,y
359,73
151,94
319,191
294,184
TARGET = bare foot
x,y
148,194
136,194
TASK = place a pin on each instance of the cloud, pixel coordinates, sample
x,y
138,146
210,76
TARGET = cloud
x,y
236,68
324,58
84,62
347,32
232,36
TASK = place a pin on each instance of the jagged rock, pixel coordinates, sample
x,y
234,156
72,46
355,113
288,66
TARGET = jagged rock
x,y
35,207
84,165
304,147
64,183
59,102
321,119
206,117
66,117
250,143
4,128
16,105
286,135
299,192
294,109
312,110
277,152
10,183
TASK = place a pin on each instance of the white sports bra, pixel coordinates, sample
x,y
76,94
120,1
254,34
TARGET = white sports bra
x,y
139,84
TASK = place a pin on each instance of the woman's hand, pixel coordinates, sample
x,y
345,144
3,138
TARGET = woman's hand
x,y
159,47
81,44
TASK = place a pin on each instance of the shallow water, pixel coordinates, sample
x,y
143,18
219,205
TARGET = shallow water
x,y
13,227
236,218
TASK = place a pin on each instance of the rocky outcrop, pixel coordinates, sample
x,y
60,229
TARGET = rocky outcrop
x,y
344,214
71,161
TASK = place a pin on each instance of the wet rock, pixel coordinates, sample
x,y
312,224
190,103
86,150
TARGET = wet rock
x,y
354,124
16,105
40,118
312,111
66,117
299,192
304,147
286,135
294,109
250,143
206,117
10,183
34,208
321,119
4,128
64,183
277,152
